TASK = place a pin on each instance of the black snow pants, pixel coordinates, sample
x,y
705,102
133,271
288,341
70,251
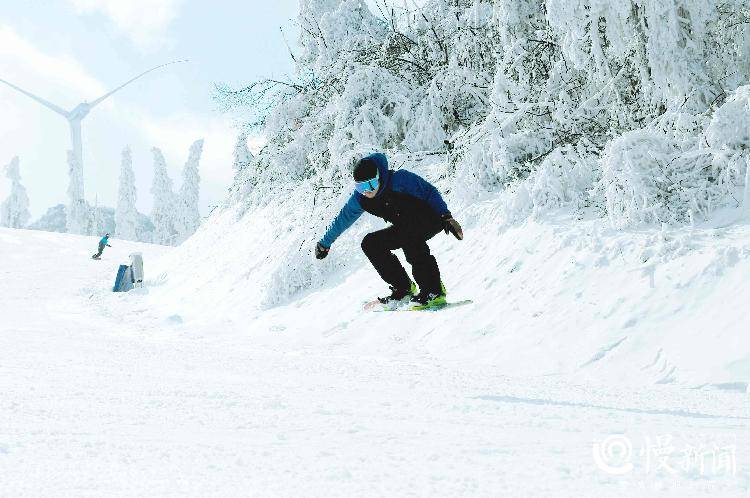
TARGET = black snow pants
x,y
101,250
378,247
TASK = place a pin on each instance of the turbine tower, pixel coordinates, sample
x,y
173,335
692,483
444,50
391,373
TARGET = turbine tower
x,y
76,115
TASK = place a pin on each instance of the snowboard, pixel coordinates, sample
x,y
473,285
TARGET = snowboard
x,y
377,306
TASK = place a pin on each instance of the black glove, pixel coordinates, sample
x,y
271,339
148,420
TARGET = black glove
x,y
321,251
452,226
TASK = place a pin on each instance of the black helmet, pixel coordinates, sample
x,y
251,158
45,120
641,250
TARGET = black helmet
x,y
366,169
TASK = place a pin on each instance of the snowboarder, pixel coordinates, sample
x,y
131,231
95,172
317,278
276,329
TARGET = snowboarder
x,y
416,211
102,243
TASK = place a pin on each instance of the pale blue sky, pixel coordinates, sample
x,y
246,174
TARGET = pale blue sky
x,y
68,51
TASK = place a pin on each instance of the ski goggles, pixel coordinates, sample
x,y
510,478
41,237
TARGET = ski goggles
x,y
368,185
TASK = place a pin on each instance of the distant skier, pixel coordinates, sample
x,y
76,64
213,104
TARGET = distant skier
x,y
102,243
416,211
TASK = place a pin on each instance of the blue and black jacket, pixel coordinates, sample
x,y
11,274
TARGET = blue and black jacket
x,y
403,199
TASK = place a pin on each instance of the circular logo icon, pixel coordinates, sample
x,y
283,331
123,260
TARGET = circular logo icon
x,y
613,455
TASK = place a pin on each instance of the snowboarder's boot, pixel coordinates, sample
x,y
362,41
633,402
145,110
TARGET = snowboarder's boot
x,y
399,294
431,298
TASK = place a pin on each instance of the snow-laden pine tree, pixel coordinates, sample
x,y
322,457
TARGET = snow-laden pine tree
x,y
78,216
163,213
188,216
126,214
14,211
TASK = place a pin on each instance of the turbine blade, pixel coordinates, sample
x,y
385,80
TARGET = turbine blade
x,y
45,103
95,102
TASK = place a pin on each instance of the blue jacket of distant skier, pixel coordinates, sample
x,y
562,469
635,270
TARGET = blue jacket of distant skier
x,y
104,241
404,199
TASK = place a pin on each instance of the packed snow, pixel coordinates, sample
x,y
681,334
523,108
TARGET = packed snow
x,y
581,343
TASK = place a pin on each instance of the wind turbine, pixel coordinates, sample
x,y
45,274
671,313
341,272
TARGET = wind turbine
x,y
76,115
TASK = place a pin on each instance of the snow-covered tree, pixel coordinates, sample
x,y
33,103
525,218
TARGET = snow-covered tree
x,y
79,219
54,220
188,216
243,160
163,213
242,155
126,214
14,211
618,108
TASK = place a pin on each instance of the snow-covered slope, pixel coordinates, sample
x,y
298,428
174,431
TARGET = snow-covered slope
x,y
176,391
187,388
559,296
